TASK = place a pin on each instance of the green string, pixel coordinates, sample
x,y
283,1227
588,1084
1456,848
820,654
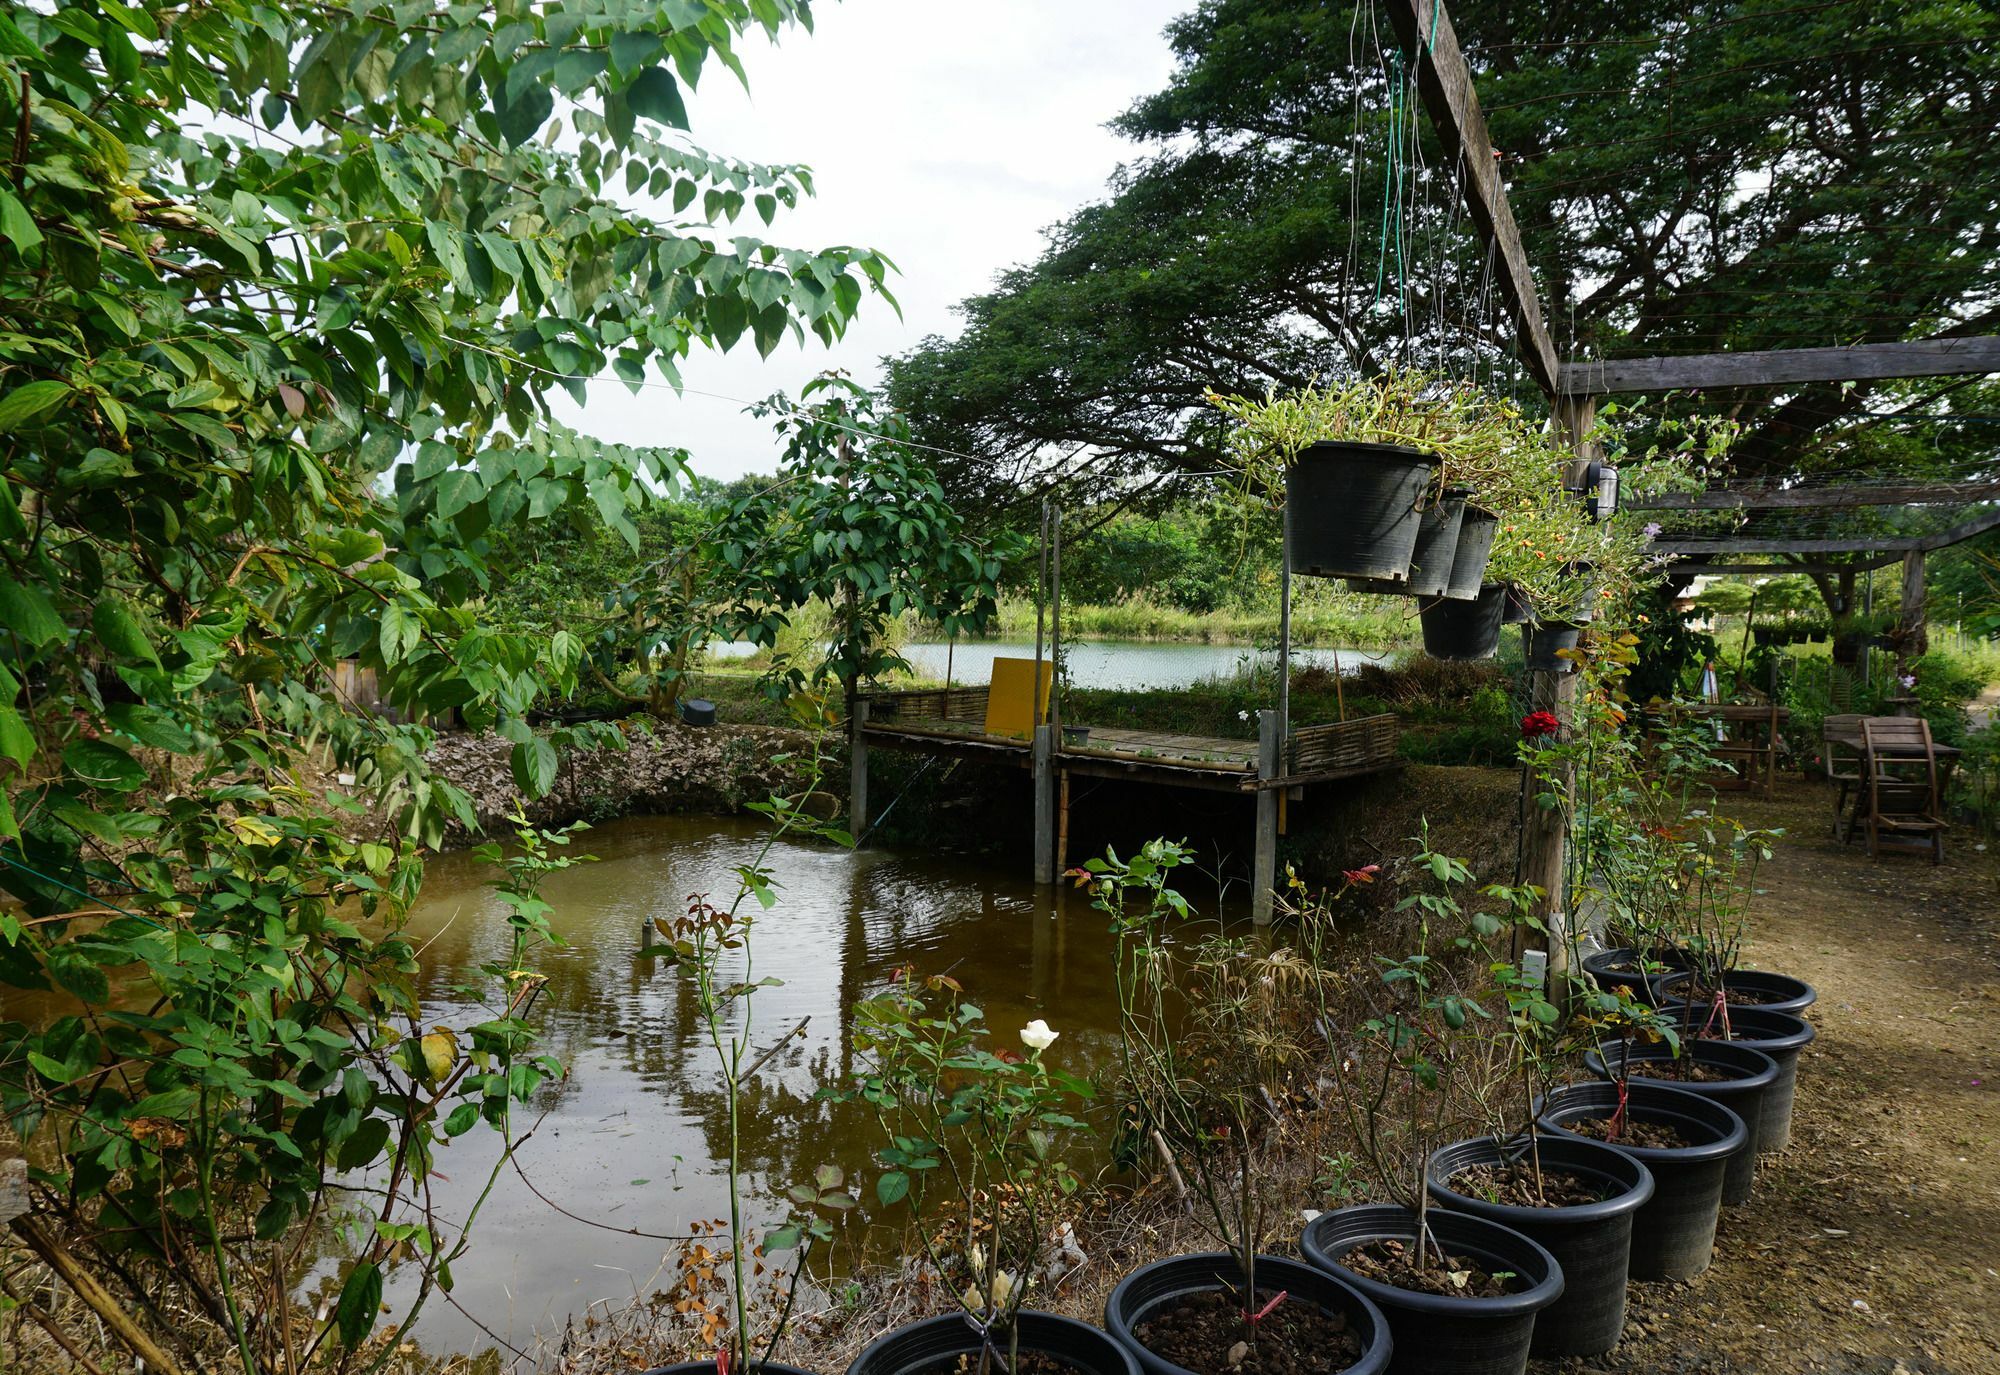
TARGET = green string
x,y
90,897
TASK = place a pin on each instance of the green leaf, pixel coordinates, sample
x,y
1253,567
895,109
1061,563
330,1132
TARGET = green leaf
x,y
102,764
655,95
359,1150
892,1187
120,631
16,224
27,611
17,742
360,1301
457,490
462,1119
534,764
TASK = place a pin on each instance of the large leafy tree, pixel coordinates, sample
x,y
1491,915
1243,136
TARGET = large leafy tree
x,y
1688,178
284,289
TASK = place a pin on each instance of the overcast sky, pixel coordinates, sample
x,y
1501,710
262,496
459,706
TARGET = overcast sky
x,y
945,133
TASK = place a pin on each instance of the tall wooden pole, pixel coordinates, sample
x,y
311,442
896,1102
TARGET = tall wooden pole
x,y
1913,635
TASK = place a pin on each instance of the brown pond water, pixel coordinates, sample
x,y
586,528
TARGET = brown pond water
x,y
633,1135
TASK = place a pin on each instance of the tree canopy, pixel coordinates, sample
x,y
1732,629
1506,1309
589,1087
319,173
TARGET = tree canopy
x,y
1743,174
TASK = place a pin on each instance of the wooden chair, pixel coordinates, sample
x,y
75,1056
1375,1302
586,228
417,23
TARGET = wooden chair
x,y
1900,769
1840,750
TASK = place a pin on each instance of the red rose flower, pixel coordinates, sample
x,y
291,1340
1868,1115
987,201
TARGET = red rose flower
x,y
1539,723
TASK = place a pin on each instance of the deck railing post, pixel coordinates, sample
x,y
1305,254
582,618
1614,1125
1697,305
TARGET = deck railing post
x,y
857,770
1265,877
1043,756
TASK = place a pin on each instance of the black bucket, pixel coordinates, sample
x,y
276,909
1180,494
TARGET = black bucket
x,y
936,1343
1673,1235
1475,548
1462,631
1780,1035
1591,1241
1354,509
1431,558
1751,1075
1546,642
1153,1286
1436,1334
1519,609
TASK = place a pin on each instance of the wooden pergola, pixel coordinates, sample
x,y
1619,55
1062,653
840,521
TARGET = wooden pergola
x,y
1431,49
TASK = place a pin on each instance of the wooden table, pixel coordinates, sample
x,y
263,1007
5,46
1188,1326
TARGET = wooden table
x,y
1750,735
1844,732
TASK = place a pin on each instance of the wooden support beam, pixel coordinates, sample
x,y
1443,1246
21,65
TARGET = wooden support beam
x,y
1744,544
1042,752
1264,875
1959,533
1784,367
1825,570
857,768
1444,81
1820,498
1914,637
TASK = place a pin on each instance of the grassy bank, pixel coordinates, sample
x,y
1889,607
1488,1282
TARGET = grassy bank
x,y
1336,619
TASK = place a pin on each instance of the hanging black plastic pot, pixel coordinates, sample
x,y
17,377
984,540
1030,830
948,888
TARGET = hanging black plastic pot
x,y
1544,645
1354,509
1780,1035
1519,609
1462,631
1592,1242
1159,1287
1475,547
1673,1234
1438,1334
1431,558
936,1344
1747,1075
1580,588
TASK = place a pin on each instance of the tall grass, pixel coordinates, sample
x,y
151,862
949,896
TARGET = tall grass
x,y
1341,620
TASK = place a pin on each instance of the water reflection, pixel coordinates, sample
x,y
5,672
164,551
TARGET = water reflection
x,y
1127,663
632,1136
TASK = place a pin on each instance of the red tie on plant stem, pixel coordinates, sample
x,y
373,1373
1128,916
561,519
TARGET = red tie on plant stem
x,y
1719,1009
1618,1117
1254,1318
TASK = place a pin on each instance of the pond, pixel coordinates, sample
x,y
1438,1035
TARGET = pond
x,y
632,1138
1128,663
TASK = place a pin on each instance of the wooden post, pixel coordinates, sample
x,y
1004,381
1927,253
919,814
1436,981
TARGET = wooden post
x,y
1913,636
1544,831
857,770
1062,822
1264,878
13,1190
1042,752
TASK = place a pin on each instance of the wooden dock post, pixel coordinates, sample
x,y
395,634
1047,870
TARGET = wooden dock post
x,y
857,771
1043,755
1263,879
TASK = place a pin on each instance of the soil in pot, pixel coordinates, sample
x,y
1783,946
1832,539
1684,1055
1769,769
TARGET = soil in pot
x,y
1631,1131
1448,1276
1046,1344
1204,1332
1516,1186
1741,987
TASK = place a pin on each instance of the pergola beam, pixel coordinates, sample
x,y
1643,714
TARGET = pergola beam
x,y
1959,533
1444,81
1820,498
1724,545
1827,570
1785,367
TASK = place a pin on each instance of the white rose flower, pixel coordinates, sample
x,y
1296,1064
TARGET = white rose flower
x,y
1037,1036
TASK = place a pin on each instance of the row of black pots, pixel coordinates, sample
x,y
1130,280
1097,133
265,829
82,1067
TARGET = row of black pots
x,y
1358,512
1663,975
1467,630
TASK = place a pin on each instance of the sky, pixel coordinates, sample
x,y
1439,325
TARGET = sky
x,y
945,133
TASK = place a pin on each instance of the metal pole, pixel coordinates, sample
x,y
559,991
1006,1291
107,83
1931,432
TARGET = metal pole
x,y
1055,625
1041,600
1285,634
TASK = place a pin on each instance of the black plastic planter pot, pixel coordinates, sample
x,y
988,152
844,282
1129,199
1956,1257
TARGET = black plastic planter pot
x,y
1775,992
1780,1035
1464,630
1433,1334
1580,583
1623,967
1751,1074
1475,548
1431,558
1354,509
936,1343
1546,642
1673,1233
1592,1242
708,1368
1152,1287
1519,610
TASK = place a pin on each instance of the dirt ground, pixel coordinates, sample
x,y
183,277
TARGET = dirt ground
x,y
1872,1246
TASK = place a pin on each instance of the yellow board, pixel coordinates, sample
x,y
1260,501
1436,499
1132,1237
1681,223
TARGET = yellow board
x,y
1010,701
